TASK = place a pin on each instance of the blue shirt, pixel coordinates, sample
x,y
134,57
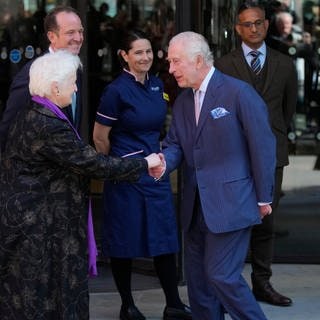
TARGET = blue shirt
x,y
248,56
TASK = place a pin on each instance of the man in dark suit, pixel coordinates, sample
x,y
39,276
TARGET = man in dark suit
x,y
276,82
227,177
64,31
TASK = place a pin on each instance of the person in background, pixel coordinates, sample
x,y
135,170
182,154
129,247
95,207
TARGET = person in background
x,y
285,35
286,6
139,218
217,127
64,31
276,82
44,190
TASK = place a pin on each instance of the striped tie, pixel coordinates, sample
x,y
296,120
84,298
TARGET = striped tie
x,y
255,62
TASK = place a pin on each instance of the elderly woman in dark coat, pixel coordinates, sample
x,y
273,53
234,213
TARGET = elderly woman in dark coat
x,y
44,182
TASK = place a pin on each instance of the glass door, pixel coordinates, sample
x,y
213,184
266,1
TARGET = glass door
x,y
21,37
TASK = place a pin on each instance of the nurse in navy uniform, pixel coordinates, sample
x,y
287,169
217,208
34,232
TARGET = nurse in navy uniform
x,y
139,218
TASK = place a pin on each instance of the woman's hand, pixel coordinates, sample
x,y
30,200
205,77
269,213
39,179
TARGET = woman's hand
x,y
158,171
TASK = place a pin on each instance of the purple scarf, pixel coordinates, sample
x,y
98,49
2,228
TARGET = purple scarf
x,y
92,248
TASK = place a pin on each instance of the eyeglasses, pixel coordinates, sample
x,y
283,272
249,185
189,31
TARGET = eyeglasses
x,y
257,24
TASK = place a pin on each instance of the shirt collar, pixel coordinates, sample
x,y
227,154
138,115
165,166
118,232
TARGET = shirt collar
x,y
127,71
247,50
205,82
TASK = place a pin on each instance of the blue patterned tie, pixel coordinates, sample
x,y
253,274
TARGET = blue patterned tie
x,y
74,106
255,62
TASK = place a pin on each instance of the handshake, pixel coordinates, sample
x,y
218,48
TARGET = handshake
x,y
156,165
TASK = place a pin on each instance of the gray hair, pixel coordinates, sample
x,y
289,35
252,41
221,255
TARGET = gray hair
x,y
194,44
283,15
56,66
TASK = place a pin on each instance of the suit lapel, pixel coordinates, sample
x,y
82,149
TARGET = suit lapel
x,y
272,65
240,65
209,100
78,100
188,111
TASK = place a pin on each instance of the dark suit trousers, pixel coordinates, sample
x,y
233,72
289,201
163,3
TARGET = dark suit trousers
x,y
214,263
262,239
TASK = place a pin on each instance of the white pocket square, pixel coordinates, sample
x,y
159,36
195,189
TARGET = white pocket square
x,y
219,112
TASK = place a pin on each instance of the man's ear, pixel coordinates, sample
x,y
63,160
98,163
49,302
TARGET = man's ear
x,y
199,60
237,28
266,24
51,36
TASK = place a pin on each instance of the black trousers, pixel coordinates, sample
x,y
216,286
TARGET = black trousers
x,y
262,239
165,267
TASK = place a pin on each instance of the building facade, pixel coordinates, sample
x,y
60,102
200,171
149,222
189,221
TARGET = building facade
x,y
22,39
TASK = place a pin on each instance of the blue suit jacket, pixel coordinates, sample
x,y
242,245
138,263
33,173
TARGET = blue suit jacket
x,y
19,98
229,158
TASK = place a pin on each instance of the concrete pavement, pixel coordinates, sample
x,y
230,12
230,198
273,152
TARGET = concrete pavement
x,y
301,282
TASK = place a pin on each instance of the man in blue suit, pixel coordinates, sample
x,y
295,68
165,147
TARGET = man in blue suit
x,y
228,158
64,31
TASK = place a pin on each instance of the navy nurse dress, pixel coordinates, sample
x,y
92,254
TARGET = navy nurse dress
x,y
139,218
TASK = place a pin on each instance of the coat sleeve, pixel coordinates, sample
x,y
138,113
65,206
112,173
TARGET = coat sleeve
x,y
253,115
59,144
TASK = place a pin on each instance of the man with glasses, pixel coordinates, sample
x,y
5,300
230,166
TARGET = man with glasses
x,y
64,30
273,75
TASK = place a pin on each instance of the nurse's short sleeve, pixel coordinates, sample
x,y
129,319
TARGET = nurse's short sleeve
x,y
108,110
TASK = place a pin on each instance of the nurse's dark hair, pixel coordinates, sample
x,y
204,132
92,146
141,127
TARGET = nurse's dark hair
x,y
126,43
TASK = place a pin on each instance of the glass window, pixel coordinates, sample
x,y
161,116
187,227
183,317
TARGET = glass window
x,y
21,37
107,22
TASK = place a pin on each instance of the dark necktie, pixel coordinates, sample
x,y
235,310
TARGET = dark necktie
x,y
255,62
74,106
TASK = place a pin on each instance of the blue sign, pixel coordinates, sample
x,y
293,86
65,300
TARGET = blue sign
x,y
15,56
29,52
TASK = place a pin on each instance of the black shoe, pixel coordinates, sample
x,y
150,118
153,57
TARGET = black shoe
x,y
266,293
131,313
177,314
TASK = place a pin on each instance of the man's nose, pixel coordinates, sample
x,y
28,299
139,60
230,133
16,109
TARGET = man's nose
x,y
253,27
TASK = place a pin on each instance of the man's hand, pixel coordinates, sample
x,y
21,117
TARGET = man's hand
x,y
265,210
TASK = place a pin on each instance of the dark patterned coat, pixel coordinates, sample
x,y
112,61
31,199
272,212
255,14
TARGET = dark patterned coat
x,y
44,184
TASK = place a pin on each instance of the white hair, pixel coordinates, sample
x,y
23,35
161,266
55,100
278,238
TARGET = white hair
x,y
56,66
283,15
194,44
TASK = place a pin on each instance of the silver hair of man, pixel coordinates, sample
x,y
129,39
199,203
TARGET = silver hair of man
x,y
283,15
56,66
194,44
